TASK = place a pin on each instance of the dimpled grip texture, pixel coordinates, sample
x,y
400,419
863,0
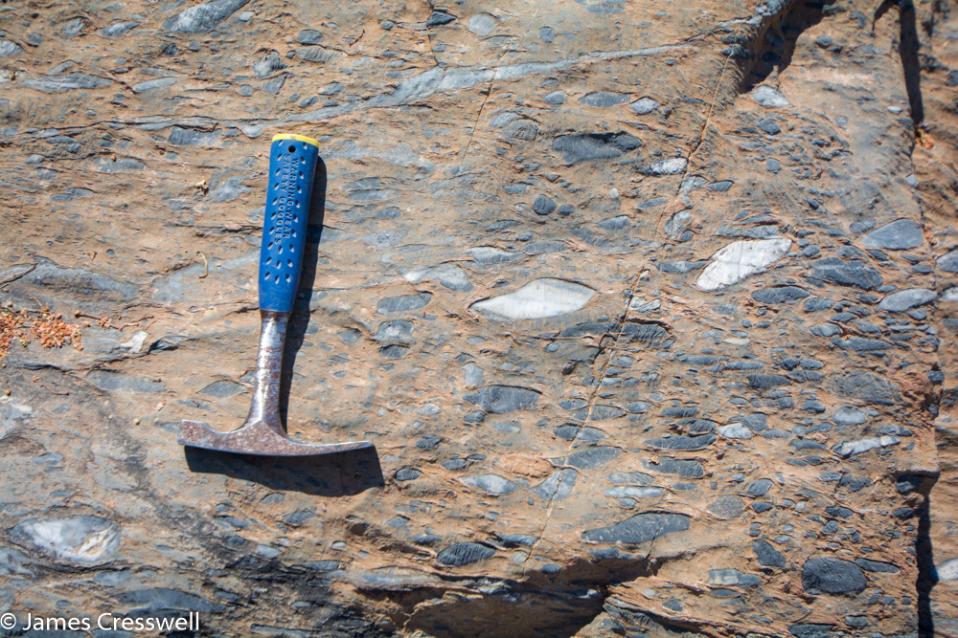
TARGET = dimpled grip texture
x,y
292,167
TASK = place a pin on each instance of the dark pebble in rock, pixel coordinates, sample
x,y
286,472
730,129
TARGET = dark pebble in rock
x,y
767,555
614,223
8,48
589,458
779,294
403,303
681,411
685,469
647,333
640,528
816,304
592,146
490,484
407,474
856,622
603,98
727,507
428,442
559,484
825,330
907,299
117,381
949,261
860,344
439,18
204,17
182,136
517,540
769,126
811,630
876,566
832,576
543,205
299,517
161,599
459,554
309,36
555,98
674,604
574,432
69,82
759,488
632,478
869,387
601,413
393,351
853,273
455,464
901,234
500,399
349,335
838,511
681,442
222,389
766,381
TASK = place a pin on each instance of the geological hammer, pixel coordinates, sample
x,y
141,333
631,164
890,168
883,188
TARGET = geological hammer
x,y
292,169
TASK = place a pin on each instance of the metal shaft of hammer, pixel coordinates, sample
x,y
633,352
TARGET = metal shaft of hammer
x,y
269,370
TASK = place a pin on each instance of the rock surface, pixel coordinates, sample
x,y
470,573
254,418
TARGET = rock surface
x,y
648,308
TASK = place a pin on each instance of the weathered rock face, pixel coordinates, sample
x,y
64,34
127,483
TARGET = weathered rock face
x,y
649,309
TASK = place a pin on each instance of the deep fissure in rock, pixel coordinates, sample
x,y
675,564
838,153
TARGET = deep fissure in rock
x,y
773,45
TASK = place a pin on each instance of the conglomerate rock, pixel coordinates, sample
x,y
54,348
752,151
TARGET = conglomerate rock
x,y
648,307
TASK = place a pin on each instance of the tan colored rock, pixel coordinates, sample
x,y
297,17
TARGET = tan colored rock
x,y
602,281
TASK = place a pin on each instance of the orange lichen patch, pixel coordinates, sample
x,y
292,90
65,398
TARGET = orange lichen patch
x,y
11,328
52,331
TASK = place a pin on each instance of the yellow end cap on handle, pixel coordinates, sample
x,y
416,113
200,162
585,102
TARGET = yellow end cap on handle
x,y
298,138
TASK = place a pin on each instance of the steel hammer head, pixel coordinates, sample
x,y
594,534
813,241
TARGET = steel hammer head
x,y
258,438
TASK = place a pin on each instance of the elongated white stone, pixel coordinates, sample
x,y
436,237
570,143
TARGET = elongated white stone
x,y
449,275
741,259
82,540
769,97
852,448
948,570
536,300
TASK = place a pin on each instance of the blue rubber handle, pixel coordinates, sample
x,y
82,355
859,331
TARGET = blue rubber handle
x,y
292,167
